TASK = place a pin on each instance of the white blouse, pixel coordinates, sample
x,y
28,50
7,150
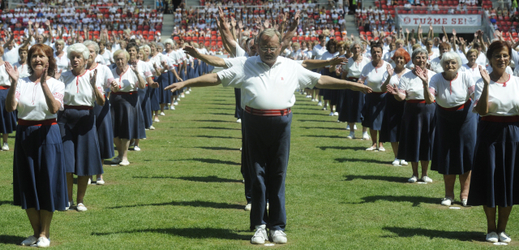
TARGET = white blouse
x,y
78,90
372,76
473,72
412,85
128,81
62,62
355,69
104,77
31,99
452,93
502,96
23,69
4,77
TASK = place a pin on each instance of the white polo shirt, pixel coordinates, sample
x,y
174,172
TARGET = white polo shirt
x,y
31,99
502,97
452,93
268,87
78,90
412,85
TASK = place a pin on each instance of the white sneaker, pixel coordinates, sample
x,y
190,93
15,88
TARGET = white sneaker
x,y
413,179
320,104
347,127
503,237
492,237
156,120
238,121
248,207
70,205
29,241
382,149
162,114
136,148
42,242
124,163
351,136
100,181
260,235
365,136
464,202
278,237
309,96
331,114
336,113
172,108
152,128
426,179
446,201
175,103
403,163
188,92
396,163
370,148
89,181
81,207
182,95
5,147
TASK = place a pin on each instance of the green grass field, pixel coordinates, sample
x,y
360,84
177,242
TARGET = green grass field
x,y
184,190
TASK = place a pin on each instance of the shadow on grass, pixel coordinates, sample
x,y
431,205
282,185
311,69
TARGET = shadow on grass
x,y
342,148
416,200
218,148
302,120
7,203
207,179
220,104
193,233
217,137
212,161
208,204
226,114
211,121
453,235
218,128
316,113
375,177
341,160
326,136
11,239
328,128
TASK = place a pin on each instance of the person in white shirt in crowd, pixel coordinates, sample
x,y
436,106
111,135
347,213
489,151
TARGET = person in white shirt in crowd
x,y
435,63
353,102
105,54
415,144
37,99
329,94
317,53
268,110
10,54
471,67
375,103
126,110
7,119
456,125
61,57
22,65
172,76
78,123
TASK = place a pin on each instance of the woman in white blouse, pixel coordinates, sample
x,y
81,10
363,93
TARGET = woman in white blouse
x,y
7,119
22,65
328,94
39,179
78,123
128,122
418,121
61,57
494,183
471,67
456,125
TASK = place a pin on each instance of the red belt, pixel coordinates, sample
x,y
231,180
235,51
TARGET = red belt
x,y
494,118
124,93
37,123
78,107
268,112
5,87
462,106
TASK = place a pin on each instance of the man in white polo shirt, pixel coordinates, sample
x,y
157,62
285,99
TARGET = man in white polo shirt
x,y
268,84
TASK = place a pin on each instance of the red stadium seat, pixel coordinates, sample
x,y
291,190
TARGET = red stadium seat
x,y
176,38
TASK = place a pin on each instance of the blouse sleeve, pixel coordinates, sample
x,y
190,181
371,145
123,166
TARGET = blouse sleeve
x,y
58,91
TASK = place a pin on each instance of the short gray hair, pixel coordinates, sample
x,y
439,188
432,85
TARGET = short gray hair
x,y
418,51
447,56
78,48
145,46
60,41
170,41
356,42
271,32
90,42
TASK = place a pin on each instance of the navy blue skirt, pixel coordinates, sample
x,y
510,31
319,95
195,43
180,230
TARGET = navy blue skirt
x,y
392,120
493,172
455,140
144,96
418,122
154,96
128,122
39,177
105,131
164,81
351,108
80,142
373,111
209,68
8,119
184,77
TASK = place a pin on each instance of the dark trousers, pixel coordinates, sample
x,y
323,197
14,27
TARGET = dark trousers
x,y
237,97
268,148
245,166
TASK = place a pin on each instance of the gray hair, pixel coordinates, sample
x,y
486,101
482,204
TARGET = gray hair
x,y
271,32
145,47
170,41
124,52
89,43
78,48
356,42
447,56
60,42
417,52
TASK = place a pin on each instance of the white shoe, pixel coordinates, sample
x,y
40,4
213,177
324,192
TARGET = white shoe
x,y
331,114
278,237
188,92
355,127
426,179
351,136
260,235
29,241
172,108
324,108
238,121
182,95
382,149
492,237
347,127
42,242
248,207
89,181
162,114
370,148
5,147
503,237
446,201
320,104
396,163
156,120
464,202
403,163
152,128
100,181
136,148
70,205
336,113
124,163
175,102
413,179
308,96
81,207
365,136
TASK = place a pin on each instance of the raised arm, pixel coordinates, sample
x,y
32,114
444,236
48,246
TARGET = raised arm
x,y
291,32
211,60
328,82
202,81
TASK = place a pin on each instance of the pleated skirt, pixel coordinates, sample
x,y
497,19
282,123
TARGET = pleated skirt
x,y
164,96
105,131
373,111
455,140
39,177
7,119
144,96
80,142
418,122
392,120
128,122
494,180
154,96
352,104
